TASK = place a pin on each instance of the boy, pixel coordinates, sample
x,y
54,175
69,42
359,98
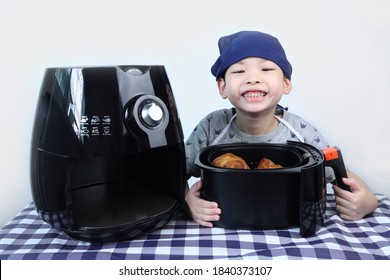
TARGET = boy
x,y
253,73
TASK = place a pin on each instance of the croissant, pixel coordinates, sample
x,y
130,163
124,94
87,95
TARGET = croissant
x,y
230,160
266,163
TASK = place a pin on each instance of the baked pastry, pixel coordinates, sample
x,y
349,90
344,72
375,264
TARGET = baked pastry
x,y
266,163
230,160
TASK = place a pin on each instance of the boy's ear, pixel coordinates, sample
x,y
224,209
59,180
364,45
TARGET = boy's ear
x,y
287,86
222,87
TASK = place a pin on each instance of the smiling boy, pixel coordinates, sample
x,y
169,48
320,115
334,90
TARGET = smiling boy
x,y
253,73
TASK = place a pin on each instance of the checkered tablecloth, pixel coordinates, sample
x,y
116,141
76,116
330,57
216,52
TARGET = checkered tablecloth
x,y
28,237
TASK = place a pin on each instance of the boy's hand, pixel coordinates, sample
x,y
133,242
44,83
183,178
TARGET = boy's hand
x,y
356,204
202,211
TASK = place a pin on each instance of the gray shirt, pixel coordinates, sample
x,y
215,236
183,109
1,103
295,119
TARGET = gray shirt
x,y
210,127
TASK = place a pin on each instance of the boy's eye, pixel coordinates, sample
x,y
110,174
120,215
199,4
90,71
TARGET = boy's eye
x,y
238,71
267,69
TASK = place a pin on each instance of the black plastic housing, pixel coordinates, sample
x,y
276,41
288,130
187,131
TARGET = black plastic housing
x,y
104,165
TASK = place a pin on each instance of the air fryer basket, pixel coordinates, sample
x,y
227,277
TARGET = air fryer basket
x,y
266,198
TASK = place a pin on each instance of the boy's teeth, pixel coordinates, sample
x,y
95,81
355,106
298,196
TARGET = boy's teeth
x,y
254,94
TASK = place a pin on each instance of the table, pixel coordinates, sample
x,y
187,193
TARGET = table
x,y
27,236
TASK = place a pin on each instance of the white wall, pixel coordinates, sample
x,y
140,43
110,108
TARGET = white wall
x,y
340,52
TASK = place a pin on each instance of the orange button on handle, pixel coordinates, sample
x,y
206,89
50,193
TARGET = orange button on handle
x,y
330,153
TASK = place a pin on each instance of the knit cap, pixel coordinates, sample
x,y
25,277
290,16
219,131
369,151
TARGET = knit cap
x,y
243,44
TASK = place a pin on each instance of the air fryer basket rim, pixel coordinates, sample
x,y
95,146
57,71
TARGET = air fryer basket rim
x,y
297,149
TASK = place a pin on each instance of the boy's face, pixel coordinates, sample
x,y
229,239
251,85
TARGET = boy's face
x,y
254,85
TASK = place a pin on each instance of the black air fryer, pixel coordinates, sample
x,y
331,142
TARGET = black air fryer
x,y
291,196
107,154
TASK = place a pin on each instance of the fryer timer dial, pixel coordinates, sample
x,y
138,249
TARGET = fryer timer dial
x,y
152,113
148,113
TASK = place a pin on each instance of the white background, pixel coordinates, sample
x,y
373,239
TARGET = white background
x,y
339,49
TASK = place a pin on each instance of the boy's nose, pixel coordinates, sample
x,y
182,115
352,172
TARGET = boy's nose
x,y
254,78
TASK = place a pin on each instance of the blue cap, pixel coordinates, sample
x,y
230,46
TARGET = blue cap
x,y
240,45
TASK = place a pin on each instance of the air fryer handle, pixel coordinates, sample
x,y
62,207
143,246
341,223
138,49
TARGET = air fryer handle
x,y
334,159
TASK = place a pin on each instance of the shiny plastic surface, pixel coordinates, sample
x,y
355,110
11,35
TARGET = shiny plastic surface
x,y
105,164
90,111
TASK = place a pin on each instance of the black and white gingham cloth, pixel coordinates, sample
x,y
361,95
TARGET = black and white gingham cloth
x,y
28,237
